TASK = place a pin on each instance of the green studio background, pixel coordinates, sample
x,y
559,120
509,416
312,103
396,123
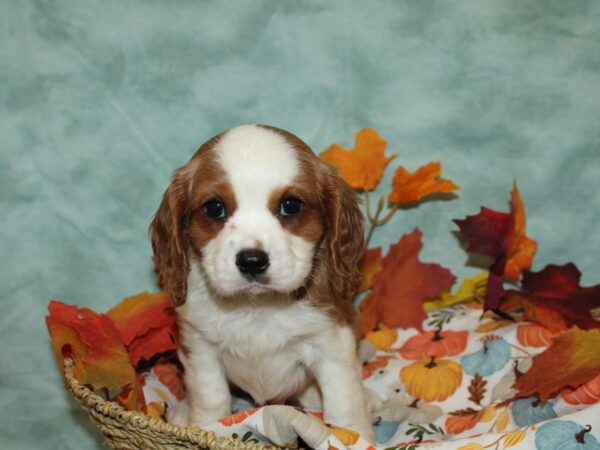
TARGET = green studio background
x,y
101,101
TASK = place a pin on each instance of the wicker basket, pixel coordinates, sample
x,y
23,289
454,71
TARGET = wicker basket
x,y
124,429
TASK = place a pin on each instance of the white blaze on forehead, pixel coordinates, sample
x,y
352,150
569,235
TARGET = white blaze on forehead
x,y
257,161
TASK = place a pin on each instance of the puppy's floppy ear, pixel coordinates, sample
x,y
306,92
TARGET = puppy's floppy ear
x,y
169,241
344,238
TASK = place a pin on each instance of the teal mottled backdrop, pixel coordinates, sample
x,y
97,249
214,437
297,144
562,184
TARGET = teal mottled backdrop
x,y
101,100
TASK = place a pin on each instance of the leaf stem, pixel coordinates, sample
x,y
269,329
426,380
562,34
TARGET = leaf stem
x,y
372,219
389,215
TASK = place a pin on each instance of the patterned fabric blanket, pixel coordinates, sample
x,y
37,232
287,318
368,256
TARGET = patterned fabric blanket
x,y
447,387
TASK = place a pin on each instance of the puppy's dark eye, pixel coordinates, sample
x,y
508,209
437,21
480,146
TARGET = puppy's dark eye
x,y
214,209
290,207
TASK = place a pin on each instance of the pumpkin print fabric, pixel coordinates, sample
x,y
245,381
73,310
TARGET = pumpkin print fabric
x,y
447,387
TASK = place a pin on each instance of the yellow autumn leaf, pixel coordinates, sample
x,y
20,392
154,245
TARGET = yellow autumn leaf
x,y
502,420
513,438
471,289
361,167
471,446
488,414
345,435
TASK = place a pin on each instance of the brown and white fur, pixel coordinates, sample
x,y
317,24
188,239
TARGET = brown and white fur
x,y
277,332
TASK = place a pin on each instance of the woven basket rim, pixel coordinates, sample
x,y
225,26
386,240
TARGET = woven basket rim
x,y
89,400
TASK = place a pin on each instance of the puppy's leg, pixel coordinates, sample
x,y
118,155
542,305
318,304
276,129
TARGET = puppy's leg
x,y
310,398
338,374
209,398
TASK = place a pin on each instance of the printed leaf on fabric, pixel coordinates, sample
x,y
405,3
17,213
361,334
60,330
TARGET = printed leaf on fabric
x,y
361,167
402,285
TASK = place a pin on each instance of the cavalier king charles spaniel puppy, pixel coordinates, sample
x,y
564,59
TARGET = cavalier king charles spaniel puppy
x,y
257,241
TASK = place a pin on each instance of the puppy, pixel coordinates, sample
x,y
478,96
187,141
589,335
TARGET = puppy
x,y
257,242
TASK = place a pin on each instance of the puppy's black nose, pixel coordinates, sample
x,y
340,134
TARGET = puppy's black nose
x,y
252,261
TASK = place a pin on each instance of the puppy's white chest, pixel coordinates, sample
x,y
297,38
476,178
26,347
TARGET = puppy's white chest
x,y
266,348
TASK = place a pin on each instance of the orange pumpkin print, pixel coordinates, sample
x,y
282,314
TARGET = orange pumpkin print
x,y
369,368
434,344
534,335
237,418
431,380
586,394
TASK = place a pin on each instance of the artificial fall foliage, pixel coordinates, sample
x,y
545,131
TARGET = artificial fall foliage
x,y
501,236
107,348
404,282
554,298
361,167
571,360
400,289
147,325
425,181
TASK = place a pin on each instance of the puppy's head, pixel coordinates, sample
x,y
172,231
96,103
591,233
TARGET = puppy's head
x,y
261,213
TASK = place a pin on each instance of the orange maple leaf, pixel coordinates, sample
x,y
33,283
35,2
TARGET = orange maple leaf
x,y
520,249
402,285
369,266
361,167
147,325
412,187
571,360
92,341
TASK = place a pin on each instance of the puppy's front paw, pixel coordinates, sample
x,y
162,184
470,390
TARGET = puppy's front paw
x,y
202,417
179,414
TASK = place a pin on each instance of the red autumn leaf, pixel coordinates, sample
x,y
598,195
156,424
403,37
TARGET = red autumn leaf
x,y
402,285
369,265
147,325
571,360
361,167
92,341
501,236
413,187
554,298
